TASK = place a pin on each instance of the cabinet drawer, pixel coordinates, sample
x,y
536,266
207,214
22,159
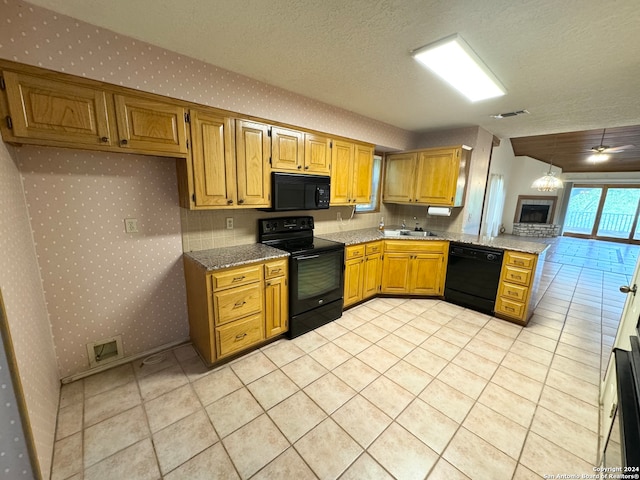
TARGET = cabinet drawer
x,y
514,292
235,303
275,269
372,248
521,260
354,251
415,246
238,335
237,276
517,275
510,308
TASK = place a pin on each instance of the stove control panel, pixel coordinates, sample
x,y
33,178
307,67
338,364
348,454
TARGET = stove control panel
x,y
285,224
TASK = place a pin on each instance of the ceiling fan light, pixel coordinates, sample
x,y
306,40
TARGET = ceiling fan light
x,y
547,183
598,157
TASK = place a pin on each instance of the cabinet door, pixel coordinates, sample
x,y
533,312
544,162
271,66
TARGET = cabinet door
x,y
427,274
342,154
150,125
213,160
362,172
353,273
46,109
437,176
276,307
287,149
399,181
317,154
395,273
252,164
371,275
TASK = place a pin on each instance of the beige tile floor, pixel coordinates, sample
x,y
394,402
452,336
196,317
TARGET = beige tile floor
x,y
396,388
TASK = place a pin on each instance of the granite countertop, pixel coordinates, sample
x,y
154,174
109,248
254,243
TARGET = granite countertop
x,y
217,258
504,242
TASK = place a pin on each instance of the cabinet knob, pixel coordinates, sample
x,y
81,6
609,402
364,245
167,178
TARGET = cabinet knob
x,y
416,199
124,141
104,139
306,167
229,202
299,167
240,202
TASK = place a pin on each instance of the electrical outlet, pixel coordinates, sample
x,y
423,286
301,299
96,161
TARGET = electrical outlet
x,y
131,225
229,223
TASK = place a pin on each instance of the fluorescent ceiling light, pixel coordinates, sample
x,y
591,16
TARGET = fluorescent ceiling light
x,y
453,59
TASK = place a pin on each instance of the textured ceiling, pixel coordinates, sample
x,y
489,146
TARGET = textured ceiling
x,y
574,65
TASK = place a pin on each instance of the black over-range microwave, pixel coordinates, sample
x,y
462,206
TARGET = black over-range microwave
x,y
291,191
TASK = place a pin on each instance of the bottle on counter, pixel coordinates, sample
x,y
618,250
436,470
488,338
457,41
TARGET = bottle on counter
x,y
381,224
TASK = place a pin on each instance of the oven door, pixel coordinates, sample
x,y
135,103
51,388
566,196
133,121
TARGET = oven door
x,y
316,279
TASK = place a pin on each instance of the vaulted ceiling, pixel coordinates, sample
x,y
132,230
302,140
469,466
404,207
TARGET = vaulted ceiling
x,y
574,65
572,151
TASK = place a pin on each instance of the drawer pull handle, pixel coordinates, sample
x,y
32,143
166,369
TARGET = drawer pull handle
x,y
512,293
239,304
518,277
509,308
275,270
240,336
238,279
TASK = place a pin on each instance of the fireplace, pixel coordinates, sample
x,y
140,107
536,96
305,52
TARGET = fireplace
x,y
534,216
534,213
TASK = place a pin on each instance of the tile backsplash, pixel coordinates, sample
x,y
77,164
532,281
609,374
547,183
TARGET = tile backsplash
x,y
204,229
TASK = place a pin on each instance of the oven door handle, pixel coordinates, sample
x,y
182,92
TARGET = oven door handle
x,y
308,257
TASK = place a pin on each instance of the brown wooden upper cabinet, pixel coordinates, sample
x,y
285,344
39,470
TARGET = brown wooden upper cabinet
x,y
214,160
252,164
47,111
435,176
351,171
294,151
150,125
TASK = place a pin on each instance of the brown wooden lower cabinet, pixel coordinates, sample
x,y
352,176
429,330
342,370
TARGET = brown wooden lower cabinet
x,y
362,272
414,267
419,268
235,309
518,287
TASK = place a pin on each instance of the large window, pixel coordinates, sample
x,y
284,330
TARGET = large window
x,y
603,211
374,205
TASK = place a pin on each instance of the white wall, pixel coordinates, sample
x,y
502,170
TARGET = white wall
x,y
502,160
523,172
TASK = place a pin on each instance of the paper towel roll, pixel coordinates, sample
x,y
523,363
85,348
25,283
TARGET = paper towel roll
x,y
439,211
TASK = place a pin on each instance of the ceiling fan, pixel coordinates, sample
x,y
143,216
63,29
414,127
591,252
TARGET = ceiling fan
x,y
604,149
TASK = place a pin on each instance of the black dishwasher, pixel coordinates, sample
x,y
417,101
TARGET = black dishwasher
x,y
473,274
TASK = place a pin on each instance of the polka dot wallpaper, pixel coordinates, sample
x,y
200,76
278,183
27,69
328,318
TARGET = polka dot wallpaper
x,y
13,448
100,281
26,313
36,36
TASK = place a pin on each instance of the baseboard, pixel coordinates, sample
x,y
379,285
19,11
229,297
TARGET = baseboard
x,y
122,361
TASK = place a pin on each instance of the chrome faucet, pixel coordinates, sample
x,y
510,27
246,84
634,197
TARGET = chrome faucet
x,y
404,225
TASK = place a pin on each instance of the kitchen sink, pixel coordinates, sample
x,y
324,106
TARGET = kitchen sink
x,y
408,233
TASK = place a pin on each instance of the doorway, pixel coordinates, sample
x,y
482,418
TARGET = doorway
x,y
604,212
